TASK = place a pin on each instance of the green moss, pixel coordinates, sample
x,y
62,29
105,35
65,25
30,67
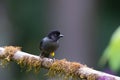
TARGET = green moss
x,y
64,69
30,63
3,63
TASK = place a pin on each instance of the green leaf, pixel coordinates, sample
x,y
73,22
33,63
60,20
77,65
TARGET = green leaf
x,y
112,52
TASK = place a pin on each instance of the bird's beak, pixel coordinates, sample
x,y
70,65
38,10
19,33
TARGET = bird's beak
x,y
61,35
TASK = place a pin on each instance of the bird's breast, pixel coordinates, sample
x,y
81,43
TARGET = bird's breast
x,y
50,46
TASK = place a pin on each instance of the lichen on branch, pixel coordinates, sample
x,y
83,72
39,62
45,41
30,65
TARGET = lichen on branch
x,y
62,68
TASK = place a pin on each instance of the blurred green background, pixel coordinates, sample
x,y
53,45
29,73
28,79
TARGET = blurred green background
x,y
87,26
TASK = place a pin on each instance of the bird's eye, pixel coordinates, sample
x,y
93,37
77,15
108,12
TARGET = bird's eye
x,y
55,35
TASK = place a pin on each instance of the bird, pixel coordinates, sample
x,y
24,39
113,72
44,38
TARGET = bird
x,y
50,44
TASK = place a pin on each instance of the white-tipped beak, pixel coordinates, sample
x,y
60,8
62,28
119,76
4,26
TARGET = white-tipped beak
x,y
61,35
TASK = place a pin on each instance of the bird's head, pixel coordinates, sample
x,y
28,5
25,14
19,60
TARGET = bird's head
x,y
55,35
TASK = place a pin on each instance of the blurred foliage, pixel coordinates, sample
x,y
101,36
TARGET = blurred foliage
x,y
28,19
109,21
112,52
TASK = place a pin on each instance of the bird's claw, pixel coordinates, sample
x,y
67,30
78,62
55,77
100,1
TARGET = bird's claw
x,y
54,59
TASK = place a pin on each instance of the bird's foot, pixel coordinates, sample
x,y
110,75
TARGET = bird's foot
x,y
54,59
41,56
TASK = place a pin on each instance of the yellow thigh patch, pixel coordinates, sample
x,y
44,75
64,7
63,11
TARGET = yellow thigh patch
x,y
52,54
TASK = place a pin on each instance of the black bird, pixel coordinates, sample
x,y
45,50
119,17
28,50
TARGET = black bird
x,y
50,43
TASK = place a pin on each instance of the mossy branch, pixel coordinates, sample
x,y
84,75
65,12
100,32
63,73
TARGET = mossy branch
x,y
61,68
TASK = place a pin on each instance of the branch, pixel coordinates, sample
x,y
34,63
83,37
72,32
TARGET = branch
x,y
56,67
